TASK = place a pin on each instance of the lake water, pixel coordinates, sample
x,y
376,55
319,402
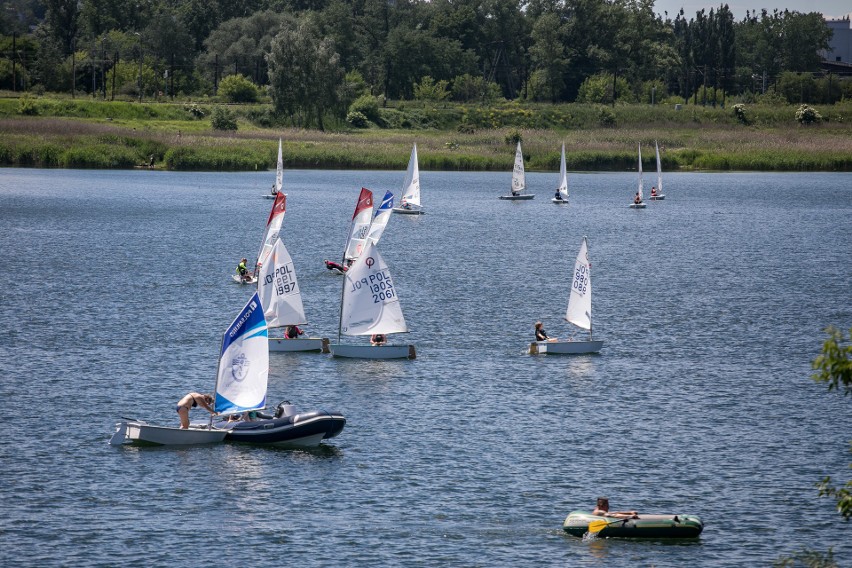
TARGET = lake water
x,y
711,305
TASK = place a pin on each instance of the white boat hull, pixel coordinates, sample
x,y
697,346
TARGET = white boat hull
x,y
249,280
281,345
565,347
559,201
412,211
658,197
637,205
373,351
137,432
522,197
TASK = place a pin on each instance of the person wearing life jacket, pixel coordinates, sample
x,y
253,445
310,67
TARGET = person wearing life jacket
x,y
242,270
335,266
293,332
637,200
378,339
654,191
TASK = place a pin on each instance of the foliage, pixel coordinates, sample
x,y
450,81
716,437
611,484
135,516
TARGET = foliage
x,y
467,88
430,90
27,106
513,138
238,89
739,111
807,559
194,110
357,119
222,118
598,89
368,106
806,114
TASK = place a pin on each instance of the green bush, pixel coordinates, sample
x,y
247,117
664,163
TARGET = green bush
x,y
430,90
223,119
739,111
368,105
807,115
357,119
238,89
27,106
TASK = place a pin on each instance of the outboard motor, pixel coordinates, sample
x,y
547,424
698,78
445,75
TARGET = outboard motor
x,y
285,409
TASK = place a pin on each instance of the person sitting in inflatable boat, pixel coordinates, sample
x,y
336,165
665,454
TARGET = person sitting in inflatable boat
x,y
602,510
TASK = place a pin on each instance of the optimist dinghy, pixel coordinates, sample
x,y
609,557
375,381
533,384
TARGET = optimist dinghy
x,y
518,179
279,175
561,196
411,188
638,200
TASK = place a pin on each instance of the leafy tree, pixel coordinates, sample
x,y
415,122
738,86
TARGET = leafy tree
x,y
305,72
598,89
430,90
238,89
548,55
222,118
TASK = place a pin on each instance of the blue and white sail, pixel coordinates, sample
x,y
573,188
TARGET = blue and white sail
x,y
244,362
380,219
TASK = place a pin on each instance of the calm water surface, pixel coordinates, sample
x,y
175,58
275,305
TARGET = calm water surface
x,y
711,305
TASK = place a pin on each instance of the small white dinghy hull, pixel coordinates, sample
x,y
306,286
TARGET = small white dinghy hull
x,y
637,206
281,345
565,347
412,211
373,351
523,197
249,280
559,201
658,197
138,432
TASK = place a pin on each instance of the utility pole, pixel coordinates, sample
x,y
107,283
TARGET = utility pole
x,y
114,69
103,67
139,76
73,67
14,58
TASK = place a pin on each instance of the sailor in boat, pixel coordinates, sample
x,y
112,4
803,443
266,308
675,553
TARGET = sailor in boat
x,y
405,204
636,199
558,195
192,400
242,270
602,510
293,332
274,190
378,339
515,193
654,191
331,265
540,334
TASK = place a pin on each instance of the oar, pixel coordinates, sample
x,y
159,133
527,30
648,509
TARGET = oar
x,y
598,526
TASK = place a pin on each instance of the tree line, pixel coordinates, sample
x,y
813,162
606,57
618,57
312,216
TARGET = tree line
x,y
318,56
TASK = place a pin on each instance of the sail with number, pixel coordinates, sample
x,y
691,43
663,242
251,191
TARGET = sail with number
x,y
381,218
273,227
411,185
563,176
518,178
279,290
243,362
360,226
580,297
370,303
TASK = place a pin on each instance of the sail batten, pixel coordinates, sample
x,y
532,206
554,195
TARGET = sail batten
x,y
579,310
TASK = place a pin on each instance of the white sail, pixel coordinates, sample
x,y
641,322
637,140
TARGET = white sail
x,y
360,226
244,362
380,219
411,185
563,176
580,296
279,290
518,179
641,197
659,170
370,303
279,172
273,227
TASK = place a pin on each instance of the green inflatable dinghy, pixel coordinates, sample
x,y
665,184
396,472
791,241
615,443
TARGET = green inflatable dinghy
x,y
578,523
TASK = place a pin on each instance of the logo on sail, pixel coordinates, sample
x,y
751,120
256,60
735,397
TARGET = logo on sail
x,y
240,367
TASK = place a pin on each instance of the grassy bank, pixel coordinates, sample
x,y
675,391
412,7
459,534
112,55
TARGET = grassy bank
x,y
93,134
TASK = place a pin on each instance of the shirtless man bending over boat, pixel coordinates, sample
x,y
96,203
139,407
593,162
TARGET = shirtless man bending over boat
x,y
602,510
192,400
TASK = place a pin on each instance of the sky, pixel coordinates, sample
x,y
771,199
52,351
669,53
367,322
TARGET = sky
x,y
828,8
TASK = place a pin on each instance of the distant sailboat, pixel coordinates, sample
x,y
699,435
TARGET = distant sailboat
x,y
562,190
518,179
281,297
369,305
279,175
657,192
410,204
579,310
638,199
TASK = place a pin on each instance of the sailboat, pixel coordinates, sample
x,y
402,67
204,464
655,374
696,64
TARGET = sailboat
x,y
281,298
579,311
241,380
411,188
279,175
518,179
638,200
369,305
359,228
562,190
657,192
270,234
241,384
